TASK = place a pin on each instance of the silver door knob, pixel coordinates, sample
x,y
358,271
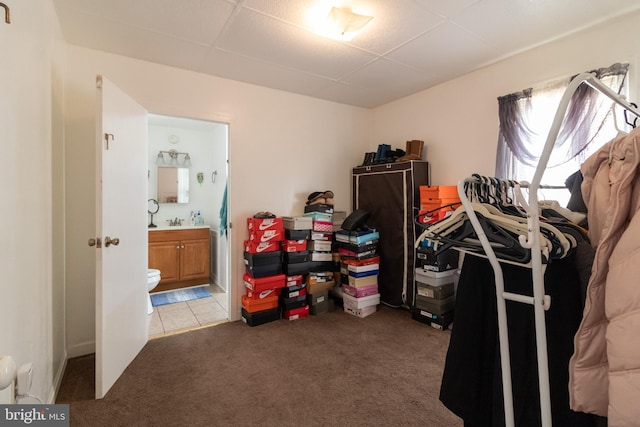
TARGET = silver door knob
x,y
95,242
108,241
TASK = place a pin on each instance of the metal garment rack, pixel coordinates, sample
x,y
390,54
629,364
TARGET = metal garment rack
x,y
539,301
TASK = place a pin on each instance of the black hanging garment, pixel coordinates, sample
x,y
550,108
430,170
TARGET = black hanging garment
x,y
472,380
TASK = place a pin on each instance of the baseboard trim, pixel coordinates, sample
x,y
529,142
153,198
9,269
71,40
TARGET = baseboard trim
x,y
57,381
81,349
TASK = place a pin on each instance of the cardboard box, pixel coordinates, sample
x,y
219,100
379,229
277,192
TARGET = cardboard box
x,y
319,245
296,268
358,282
435,306
314,288
262,294
294,280
265,258
294,245
434,278
260,317
361,302
262,224
317,298
264,283
319,207
364,291
297,234
324,307
319,277
427,259
321,256
297,223
435,292
319,216
293,302
298,313
296,257
321,236
259,247
321,266
275,235
294,291
323,226
440,322
253,305
361,312
264,270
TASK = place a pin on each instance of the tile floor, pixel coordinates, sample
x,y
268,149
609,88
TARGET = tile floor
x,y
172,318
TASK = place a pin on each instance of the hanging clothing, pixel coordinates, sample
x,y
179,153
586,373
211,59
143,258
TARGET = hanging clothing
x,y
605,368
224,214
472,380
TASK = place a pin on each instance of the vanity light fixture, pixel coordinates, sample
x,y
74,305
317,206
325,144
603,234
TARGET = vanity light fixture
x,y
173,158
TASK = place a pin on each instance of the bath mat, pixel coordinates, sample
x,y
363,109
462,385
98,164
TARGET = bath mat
x,y
179,295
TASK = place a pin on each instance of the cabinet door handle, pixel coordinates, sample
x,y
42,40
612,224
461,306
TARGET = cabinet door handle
x,y
182,247
178,247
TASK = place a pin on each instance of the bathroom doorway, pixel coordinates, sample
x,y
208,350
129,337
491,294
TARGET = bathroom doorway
x,y
200,149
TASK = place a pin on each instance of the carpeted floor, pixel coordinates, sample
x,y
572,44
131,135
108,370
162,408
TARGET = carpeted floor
x,y
332,369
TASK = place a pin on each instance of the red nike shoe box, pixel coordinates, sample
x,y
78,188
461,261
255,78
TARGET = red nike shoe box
x,y
262,294
297,313
264,283
254,247
294,245
272,235
263,224
253,305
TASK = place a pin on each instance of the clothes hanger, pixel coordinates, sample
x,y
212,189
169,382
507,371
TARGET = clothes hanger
x,y
626,119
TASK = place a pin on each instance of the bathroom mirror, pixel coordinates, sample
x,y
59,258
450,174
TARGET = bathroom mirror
x,y
173,184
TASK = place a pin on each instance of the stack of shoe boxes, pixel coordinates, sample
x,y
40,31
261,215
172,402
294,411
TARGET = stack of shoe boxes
x,y
263,279
320,278
293,298
435,291
436,201
359,271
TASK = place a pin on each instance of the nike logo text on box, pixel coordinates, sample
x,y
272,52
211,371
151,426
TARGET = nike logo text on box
x,y
266,224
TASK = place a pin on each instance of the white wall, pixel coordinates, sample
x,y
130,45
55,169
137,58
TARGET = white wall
x,y
281,148
32,277
458,120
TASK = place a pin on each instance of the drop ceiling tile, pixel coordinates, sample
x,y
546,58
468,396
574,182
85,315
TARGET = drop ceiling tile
x,y
524,24
353,95
259,36
393,23
199,21
255,71
383,72
446,8
446,49
122,39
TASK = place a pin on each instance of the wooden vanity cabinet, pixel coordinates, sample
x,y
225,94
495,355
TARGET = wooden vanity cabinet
x,y
182,256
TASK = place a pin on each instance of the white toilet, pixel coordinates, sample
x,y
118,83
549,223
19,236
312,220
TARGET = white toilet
x,y
153,278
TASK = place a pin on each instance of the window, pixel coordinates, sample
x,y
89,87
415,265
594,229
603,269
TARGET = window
x,y
525,118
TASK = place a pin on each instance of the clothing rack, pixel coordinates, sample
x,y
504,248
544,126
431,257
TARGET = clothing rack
x,y
540,301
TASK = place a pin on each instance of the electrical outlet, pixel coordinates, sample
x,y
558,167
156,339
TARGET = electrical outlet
x,y
24,378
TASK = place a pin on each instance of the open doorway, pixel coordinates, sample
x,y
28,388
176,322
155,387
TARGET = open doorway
x,y
198,150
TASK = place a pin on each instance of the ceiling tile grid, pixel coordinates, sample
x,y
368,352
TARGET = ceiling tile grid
x,y
409,46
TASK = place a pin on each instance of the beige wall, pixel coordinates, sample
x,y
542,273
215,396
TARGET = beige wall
x,y
281,147
458,120
31,264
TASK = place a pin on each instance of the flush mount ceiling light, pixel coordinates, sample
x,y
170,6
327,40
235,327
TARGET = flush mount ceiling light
x,y
342,23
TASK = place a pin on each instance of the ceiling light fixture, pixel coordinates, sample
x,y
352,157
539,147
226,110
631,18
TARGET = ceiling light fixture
x,y
341,23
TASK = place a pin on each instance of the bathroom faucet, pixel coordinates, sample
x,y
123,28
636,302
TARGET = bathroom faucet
x,y
175,222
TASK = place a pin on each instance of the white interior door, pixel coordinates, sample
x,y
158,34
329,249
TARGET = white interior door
x,y
121,206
